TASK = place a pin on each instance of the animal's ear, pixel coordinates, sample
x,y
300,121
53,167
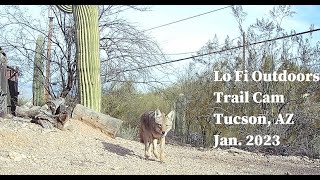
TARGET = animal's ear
x,y
171,115
157,113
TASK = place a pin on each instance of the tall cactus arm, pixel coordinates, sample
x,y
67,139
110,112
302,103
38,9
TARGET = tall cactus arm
x,y
88,57
37,86
86,18
65,8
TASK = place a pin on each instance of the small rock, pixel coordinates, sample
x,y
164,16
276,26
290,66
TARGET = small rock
x,y
4,159
9,116
23,125
16,156
69,128
44,107
306,159
115,168
47,130
29,104
21,119
235,150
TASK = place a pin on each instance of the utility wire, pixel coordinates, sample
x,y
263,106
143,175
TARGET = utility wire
x,y
119,10
167,23
198,50
171,54
200,55
187,18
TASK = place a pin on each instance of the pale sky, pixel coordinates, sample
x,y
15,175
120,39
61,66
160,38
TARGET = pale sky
x,y
190,35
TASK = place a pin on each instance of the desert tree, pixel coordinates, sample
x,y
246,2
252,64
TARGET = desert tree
x,y
122,46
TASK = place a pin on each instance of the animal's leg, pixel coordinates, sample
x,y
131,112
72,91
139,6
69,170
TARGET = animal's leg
x,y
155,149
162,143
147,148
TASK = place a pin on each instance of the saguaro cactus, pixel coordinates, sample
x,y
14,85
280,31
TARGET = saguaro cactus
x,y
180,119
37,86
87,41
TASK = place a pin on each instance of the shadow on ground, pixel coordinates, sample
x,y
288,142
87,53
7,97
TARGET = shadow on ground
x,y
117,149
122,151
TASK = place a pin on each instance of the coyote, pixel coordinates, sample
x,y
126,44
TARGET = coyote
x,y
155,126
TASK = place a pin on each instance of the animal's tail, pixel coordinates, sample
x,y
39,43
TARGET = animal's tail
x,y
141,135
142,120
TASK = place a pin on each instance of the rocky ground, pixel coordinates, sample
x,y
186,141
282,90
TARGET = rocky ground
x,y
27,148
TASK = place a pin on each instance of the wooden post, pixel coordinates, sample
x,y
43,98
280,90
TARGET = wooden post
x,y
244,51
3,83
12,89
3,89
47,83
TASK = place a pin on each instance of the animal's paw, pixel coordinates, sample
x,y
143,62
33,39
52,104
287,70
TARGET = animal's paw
x,y
162,159
146,157
156,155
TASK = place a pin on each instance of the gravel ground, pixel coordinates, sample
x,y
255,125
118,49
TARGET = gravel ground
x,y
27,148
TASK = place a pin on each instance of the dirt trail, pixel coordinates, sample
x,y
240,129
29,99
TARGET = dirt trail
x,y
26,148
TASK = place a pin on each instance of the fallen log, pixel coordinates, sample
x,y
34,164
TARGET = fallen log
x,y
48,121
26,112
107,124
53,114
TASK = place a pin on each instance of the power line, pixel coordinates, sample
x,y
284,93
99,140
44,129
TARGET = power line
x,y
198,50
119,10
166,24
187,18
171,54
116,7
200,55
